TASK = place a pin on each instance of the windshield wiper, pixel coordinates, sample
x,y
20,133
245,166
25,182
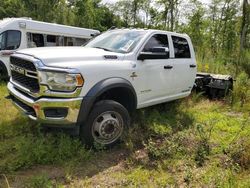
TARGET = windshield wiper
x,y
106,49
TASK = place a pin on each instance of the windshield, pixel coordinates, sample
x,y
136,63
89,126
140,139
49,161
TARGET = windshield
x,y
10,40
120,41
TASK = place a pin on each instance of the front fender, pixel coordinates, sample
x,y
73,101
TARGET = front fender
x,y
98,89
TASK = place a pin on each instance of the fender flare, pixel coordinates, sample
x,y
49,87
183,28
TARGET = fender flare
x,y
97,90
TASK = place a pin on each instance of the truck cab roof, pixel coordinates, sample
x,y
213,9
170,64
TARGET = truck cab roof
x,y
150,31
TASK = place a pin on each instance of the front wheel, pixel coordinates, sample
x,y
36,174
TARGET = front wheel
x,y
105,124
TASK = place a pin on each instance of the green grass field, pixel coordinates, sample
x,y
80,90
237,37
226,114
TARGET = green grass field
x,y
192,142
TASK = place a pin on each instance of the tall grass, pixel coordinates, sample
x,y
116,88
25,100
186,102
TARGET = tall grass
x,y
191,142
23,143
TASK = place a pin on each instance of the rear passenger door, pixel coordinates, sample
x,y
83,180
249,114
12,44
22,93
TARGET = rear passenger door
x,y
184,64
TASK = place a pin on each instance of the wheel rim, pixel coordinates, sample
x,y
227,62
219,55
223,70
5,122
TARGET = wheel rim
x,y
107,127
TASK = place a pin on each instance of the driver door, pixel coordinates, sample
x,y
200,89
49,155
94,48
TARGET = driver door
x,y
156,70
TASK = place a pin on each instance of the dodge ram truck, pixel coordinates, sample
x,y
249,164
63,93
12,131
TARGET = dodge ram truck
x,y
97,87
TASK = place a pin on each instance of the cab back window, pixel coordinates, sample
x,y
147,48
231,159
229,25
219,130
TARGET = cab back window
x,y
10,40
181,47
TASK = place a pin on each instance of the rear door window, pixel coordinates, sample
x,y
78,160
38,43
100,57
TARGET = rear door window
x,y
181,47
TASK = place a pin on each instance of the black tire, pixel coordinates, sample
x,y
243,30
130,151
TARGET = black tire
x,y
105,124
3,73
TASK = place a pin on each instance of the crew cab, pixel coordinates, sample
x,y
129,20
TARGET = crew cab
x,y
97,87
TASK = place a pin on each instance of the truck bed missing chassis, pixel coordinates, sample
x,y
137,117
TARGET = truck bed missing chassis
x,y
215,86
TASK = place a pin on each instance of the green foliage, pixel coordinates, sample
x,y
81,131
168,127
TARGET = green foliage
x,y
194,142
219,33
245,61
39,181
240,152
86,15
161,149
141,177
82,13
190,142
28,150
23,143
203,148
241,91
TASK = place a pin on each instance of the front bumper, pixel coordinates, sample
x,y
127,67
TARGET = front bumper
x,y
35,108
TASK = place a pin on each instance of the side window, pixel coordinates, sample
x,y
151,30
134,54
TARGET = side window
x,y
38,40
68,41
10,40
181,47
79,41
156,41
60,41
51,40
35,40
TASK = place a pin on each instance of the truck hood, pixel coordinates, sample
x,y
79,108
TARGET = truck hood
x,y
54,56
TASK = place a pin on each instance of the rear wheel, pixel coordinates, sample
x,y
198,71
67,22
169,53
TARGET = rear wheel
x,y
105,124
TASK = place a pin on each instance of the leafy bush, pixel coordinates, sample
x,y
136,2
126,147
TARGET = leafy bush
x,y
240,152
39,181
241,91
245,61
174,146
161,149
203,148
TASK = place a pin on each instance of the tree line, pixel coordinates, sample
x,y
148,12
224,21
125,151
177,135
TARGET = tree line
x,y
219,30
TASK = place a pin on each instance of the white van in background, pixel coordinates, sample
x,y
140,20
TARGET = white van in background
x,y
20,33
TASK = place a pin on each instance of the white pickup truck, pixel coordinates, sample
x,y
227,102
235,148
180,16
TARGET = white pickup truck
x,y
97,87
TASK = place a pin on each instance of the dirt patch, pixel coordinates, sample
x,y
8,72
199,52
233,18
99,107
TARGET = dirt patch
x,y
100,163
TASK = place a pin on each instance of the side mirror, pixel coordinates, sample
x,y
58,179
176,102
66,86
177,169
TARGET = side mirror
x,y
155,53
6,52
159,49
10,48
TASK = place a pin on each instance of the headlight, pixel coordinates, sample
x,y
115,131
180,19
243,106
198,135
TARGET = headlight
x,y
60,81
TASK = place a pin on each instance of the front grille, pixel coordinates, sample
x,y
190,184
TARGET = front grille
x,y
25,81
22,63
28,110
28,79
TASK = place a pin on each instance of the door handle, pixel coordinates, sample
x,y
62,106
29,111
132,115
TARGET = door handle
x,y
168,67
192,66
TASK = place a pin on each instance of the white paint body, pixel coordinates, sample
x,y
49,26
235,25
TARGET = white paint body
x,y
25,26
153,84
